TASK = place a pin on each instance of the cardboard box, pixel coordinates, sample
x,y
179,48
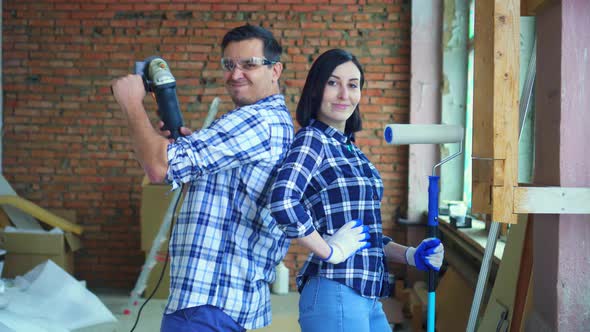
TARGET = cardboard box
x,y
164,288
155,200
26,249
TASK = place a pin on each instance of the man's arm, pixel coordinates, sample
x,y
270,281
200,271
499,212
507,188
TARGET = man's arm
x,y
150,148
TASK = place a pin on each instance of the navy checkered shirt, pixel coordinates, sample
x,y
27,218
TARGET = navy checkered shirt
x,y
325,182
225,244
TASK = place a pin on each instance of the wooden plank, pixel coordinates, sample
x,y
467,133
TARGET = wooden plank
x,y
483,96
495,114
505,107
524,8
470,240
532,7
551,200
505,289
454,298
524,283
40,213
481,201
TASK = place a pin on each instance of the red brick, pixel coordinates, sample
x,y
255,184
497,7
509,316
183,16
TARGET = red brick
x,y
65,141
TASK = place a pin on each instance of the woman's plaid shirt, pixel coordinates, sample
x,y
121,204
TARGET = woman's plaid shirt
x,y
324,183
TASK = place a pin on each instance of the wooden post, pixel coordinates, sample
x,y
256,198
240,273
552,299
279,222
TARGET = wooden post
x,y
495,113
523,284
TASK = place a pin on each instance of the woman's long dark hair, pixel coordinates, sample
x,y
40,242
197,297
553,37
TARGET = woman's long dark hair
x,y
313,90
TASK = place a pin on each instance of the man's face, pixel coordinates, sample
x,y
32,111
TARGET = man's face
x,y
248,84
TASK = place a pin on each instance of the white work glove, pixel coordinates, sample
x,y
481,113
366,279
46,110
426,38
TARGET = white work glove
x,y
349,239
428,256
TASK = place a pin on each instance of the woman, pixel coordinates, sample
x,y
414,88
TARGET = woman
x,y
325,190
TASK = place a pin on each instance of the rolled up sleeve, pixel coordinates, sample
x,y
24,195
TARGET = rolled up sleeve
x,y
295,175
235,139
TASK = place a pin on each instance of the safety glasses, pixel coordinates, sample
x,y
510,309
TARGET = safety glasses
x,y
248,64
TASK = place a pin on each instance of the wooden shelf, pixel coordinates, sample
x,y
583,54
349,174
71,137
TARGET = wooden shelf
x,y
473,239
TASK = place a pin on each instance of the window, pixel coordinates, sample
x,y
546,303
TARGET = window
x,y
469,107
458,72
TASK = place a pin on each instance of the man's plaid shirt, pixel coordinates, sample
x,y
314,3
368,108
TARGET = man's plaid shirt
x,y
225,244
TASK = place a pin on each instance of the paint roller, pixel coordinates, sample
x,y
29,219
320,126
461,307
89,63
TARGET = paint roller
x,y
402,134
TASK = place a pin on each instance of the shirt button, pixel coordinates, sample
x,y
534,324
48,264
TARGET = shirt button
x,y
375,197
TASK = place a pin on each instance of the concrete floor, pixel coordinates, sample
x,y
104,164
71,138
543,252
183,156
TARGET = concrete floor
x,y
284,309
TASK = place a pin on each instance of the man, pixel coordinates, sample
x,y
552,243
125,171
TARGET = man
x,y
225,244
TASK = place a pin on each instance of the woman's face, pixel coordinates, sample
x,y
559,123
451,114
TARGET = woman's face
x,y
342,94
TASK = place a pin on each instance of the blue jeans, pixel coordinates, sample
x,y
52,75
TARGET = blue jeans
x,y
205,318
329,306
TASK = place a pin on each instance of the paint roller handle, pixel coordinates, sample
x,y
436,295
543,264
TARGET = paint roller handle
x,y
432,224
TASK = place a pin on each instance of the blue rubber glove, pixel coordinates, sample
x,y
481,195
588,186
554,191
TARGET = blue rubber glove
x,y
428,256
349,239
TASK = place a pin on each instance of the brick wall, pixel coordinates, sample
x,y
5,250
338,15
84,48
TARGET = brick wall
x,y
65,142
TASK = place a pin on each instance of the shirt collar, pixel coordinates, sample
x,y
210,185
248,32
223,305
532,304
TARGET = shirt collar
x,y
277,96
331,132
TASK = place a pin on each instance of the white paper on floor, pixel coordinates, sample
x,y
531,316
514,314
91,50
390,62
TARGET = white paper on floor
x,y
4,328
11,322
49,295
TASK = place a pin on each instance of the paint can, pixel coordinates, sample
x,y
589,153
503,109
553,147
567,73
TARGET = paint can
x,y
281,284
391,282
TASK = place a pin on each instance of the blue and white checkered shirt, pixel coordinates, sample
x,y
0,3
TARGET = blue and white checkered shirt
x,y
225,243
325,182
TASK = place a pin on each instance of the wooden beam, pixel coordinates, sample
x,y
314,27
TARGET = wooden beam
x,y
40,213
532,7
502,297
483,95
524,283
551,200
495,115
506,76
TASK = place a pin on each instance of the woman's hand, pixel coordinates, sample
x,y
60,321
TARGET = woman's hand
x,y
428,256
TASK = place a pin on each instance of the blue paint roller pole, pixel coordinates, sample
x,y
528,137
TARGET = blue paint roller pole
x,y
401,134
432,225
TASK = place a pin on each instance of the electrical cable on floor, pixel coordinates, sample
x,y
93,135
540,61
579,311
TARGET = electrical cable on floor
x,y
178,199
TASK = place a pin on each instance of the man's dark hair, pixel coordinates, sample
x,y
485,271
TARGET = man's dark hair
x,y
313,90
272,48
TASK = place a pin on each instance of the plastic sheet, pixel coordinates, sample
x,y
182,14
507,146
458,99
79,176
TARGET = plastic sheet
x,y
48,296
